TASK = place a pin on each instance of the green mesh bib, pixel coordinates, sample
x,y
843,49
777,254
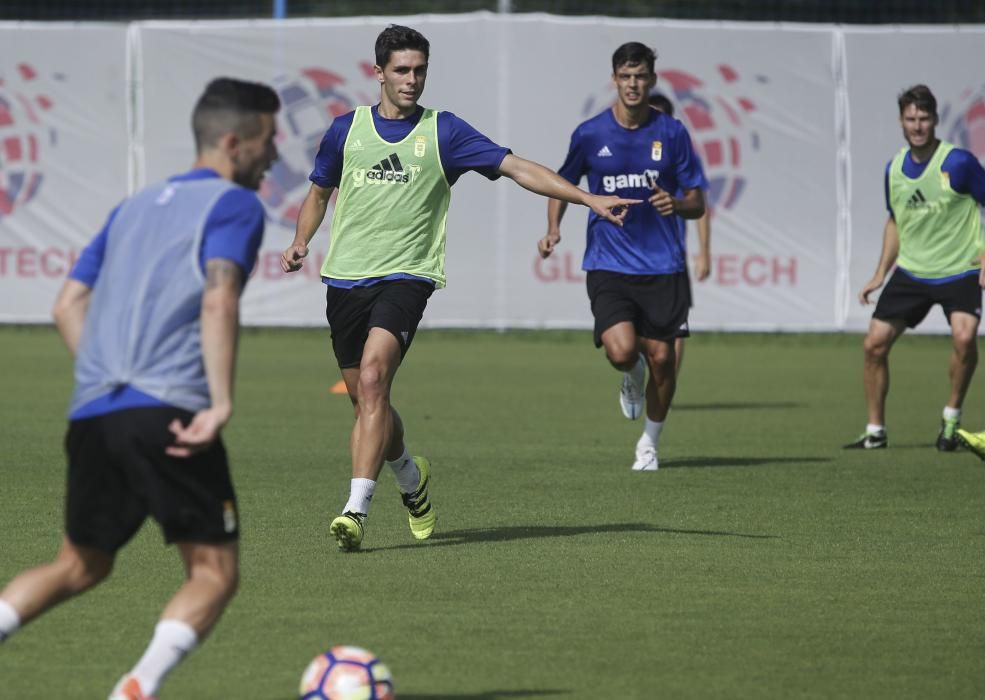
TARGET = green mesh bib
x,y
940,230
392,205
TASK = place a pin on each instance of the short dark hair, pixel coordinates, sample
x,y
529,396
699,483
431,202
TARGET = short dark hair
x,y
230,105
634,53
919,96
397,37
662,102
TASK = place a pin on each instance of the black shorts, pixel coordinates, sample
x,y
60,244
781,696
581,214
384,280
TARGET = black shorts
x,y
657,305
909,300
393,305
118,474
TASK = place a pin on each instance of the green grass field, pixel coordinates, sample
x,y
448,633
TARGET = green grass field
x,y
760,562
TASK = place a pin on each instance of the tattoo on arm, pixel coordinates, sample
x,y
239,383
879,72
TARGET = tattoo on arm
x,y
223,273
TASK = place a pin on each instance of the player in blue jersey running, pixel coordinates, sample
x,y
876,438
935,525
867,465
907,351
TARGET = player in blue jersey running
x,y
393,165
637,279
702,261
933,236
151,314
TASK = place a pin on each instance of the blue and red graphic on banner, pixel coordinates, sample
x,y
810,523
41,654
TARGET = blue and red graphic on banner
x,y
24,136
311,100
963,121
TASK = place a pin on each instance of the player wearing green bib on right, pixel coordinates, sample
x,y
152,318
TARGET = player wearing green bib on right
x,y
934,238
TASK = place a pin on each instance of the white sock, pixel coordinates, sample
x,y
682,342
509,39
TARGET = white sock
x,y
360,494
406,471
952,413
638,373
9,620
873,429
171,641
651,433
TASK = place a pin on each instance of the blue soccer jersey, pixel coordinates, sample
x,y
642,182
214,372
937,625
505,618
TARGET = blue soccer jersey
x,y
626,162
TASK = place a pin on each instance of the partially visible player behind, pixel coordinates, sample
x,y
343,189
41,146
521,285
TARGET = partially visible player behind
x,y
151,314
637,280
702,262
933,236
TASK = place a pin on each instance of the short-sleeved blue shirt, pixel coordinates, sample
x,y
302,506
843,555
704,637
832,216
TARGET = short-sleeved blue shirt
x,y
461,148
966,174
626,162
233,231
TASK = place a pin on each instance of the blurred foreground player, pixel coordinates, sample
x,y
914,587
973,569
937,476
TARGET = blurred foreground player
x,y
151,314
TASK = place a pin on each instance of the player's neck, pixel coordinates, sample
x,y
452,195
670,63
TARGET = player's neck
x,y
630,117
388,110
215,161
924,153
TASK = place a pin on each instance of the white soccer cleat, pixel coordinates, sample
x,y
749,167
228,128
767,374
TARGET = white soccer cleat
x,y
646,459
631,397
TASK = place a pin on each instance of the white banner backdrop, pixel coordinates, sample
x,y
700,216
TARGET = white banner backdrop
x,y
794,122
64,153
764,128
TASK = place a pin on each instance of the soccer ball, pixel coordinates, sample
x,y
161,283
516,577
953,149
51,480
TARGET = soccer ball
x,y
347,673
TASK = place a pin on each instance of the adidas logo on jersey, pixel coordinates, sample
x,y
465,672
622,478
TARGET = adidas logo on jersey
x,y
647,178
916,200
389,171
604,152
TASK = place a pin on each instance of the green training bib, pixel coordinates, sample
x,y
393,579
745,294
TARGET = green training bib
x,y
392,205
940,230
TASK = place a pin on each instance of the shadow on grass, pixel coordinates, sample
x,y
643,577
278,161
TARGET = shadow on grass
x,y
737,405
912,446
528,532
692,462
487,695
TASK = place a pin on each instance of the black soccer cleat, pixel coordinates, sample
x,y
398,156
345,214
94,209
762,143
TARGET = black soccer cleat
x,y
869,441
947,438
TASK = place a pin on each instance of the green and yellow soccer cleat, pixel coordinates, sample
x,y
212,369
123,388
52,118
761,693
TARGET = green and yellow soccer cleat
x,y
347,529
421,515
947,439
975,442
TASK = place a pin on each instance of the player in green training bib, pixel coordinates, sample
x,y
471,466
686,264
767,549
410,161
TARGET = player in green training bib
x,y
393,165
934,238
